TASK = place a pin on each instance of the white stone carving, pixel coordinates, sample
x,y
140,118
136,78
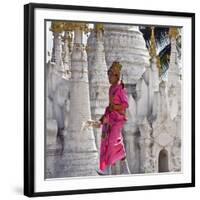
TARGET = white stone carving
x,y
80,144
99,84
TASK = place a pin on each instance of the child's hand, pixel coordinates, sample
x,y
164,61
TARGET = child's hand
x,y
97,124
103,120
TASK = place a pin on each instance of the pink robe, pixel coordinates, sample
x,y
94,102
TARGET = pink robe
x,y
112,147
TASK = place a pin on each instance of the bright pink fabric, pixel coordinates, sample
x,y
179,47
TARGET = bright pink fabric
x,y
112,147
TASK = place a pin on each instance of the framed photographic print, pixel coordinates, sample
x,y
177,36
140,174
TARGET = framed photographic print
x,y
108,99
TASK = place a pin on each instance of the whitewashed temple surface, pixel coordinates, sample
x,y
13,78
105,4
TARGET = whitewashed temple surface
x,y
77,90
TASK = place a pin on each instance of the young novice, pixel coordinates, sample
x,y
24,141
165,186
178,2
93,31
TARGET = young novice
x,y
112,147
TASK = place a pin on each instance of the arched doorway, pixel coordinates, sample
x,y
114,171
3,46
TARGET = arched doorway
x,y
163,165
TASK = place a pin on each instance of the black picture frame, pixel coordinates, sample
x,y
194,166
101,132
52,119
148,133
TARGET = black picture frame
x,y
29,98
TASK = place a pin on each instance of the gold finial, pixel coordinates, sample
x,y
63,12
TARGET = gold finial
x,y
152,50
71,26
99,30
99,27
68,26
57,26
158,63
173,32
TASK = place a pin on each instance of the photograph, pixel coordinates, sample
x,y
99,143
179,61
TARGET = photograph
x,y
113,99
